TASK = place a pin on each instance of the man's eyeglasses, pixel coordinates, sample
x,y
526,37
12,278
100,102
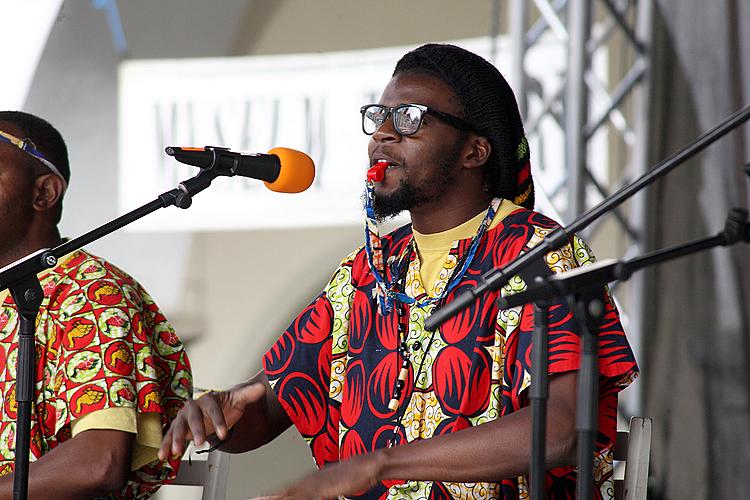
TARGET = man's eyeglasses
x,y
407,118
27,146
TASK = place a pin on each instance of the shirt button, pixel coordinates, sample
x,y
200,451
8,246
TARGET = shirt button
x,y
416,346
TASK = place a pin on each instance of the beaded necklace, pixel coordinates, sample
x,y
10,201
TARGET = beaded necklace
x,y
385,288
390,291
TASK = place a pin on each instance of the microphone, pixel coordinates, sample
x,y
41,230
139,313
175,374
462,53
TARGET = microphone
x,y
282,170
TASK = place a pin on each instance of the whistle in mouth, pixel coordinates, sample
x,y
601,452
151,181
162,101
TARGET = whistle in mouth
x,y
376,173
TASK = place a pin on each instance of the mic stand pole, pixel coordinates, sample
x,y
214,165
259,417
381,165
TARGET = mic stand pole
x,y
591,308
586,286
538,394
21,278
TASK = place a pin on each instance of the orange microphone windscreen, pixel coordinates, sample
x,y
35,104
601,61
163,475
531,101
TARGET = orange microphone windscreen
x,y
296,174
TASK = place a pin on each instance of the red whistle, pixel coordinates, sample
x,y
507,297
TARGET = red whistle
x,y
376,173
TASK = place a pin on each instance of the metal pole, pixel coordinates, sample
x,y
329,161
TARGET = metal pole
x,y
538,394
518,15
494,30
638,299
576,105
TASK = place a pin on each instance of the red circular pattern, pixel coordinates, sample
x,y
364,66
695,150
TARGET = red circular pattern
x,y
305,402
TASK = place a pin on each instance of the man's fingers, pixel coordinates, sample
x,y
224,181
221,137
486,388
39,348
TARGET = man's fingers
x,y
180,437
249,393
195,423
216,416
166,444
206,415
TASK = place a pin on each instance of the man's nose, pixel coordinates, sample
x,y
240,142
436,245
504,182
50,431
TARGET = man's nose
x,y
387,131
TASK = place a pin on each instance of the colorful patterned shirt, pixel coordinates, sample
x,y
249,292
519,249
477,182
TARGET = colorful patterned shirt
x,y
101,343
334,369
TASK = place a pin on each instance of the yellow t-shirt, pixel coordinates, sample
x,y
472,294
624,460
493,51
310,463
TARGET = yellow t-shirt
x,y
433,249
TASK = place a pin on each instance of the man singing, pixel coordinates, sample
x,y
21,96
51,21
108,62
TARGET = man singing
x,y
389,409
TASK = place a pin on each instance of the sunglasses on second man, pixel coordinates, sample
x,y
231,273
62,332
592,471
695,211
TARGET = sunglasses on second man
x,y
407,118
27,146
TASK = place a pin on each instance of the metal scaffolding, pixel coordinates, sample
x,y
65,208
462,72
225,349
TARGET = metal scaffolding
x,y
596,111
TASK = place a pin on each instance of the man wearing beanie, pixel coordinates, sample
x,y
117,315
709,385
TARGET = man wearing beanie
x,y
110,373
389,409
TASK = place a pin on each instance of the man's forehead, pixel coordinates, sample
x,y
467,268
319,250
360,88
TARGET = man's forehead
x,y
419,88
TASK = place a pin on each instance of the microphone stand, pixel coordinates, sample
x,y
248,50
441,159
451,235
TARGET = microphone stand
x,y
21,278
585,287
538,394
594,277
587,384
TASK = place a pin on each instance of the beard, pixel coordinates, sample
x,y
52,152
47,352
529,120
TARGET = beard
x,y
407,195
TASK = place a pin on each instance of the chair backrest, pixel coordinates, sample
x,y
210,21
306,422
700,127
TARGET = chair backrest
x,y
634,447
212,474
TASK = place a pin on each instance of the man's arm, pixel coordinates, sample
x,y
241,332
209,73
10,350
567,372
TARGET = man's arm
x,y
489,452
92,464
251,410
493,451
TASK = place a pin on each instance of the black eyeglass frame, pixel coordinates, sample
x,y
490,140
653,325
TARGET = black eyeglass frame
x,y
449,119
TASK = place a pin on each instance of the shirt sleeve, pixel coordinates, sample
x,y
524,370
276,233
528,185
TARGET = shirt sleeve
x,y
145,426
116,353
298,366
616,360
617,366
115,349
305,366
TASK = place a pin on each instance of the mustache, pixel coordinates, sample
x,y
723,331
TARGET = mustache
x,y
384,154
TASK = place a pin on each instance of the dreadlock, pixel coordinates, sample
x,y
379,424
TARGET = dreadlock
x,y
490,106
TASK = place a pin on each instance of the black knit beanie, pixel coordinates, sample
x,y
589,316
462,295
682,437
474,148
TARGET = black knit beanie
x,y
490,106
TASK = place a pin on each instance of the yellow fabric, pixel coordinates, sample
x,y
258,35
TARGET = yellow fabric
x,y
145,426
433,249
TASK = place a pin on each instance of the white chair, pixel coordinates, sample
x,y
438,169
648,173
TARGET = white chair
x,y
633,447
212,474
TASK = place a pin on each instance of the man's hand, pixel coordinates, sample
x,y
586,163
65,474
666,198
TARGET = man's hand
x,y
350,477
212,413
487,452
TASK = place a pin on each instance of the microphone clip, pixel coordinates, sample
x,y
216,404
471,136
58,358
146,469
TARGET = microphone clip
x,y
222,161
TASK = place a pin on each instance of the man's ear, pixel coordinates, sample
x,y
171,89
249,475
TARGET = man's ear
x,y
48,189
477,152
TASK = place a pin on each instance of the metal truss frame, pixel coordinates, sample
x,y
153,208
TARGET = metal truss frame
x,y
583,105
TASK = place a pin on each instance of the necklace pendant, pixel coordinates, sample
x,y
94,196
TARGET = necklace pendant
x,y
393,404
403,374
403,348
